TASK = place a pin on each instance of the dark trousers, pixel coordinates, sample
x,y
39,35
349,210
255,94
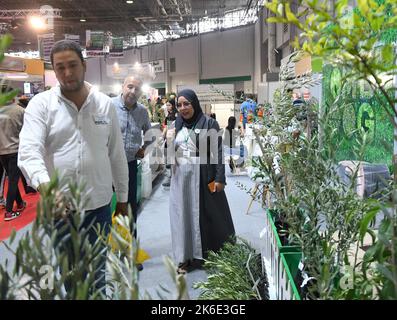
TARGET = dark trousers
x,y
2,178
132,190
101,216
9,163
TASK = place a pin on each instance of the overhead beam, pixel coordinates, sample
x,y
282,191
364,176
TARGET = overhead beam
x,y
23,13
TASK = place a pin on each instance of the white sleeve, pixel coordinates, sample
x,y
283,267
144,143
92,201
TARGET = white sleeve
x,y
31,153
118,159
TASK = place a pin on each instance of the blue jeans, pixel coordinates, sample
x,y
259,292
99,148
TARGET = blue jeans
x,y
101,216
132,190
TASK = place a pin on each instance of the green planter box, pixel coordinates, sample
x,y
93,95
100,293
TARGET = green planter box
x,y
287,289
139,183
274,248
114,201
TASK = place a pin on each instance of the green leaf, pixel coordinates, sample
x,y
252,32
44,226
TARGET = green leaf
x,y
341,6
5,42
290,16
277,20
368,217
363,6
280,9
388,54
386,273
7,97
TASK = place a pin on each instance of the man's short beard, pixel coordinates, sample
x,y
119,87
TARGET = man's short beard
x,y
78,87
131,101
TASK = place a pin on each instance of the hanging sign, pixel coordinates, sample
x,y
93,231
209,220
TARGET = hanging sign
x,y
95,43
116,48
158,66
46,42
73,37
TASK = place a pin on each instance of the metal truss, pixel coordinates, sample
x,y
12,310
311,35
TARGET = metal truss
x,y
45,11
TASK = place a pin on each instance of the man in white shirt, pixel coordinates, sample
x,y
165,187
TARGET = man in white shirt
x,y
74,129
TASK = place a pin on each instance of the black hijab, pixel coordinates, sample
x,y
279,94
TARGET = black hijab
x,y
191,96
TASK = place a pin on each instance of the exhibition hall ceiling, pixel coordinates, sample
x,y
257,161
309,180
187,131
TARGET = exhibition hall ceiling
x,y
127,19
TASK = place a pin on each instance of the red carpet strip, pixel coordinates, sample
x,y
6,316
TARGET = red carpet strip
x,y
26,217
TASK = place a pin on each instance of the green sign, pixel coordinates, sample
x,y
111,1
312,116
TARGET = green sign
x,y
359,111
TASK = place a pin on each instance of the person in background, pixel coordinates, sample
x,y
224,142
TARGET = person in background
x,y
73,128
133,119
2,181
164,108
230,137
169,123
23,101
11,121
247,111
199,211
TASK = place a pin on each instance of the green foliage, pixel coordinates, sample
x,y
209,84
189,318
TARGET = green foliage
x,y
234,273
279,135
57,261
324,216
359,41
5,42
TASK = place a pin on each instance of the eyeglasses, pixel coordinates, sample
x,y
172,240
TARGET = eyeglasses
x,y
184,104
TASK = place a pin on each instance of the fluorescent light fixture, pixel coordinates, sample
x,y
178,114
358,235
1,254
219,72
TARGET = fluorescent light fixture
x,y
14,76
129,2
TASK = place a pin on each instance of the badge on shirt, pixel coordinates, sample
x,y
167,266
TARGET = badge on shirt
x,y
100,119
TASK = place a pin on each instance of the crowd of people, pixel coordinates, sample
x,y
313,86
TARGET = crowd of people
x,y
88,136
85,135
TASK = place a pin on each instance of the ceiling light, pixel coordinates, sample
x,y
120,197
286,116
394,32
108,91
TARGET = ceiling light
x,y
129,2
37,23
28,42
82,19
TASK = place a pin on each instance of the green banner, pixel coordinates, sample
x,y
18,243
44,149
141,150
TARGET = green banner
x,y
360,109
116,49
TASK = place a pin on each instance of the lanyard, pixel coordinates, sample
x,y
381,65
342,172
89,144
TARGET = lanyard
x,y
188,134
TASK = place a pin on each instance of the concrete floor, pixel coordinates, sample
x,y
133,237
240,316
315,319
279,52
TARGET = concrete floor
x,y
154,235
